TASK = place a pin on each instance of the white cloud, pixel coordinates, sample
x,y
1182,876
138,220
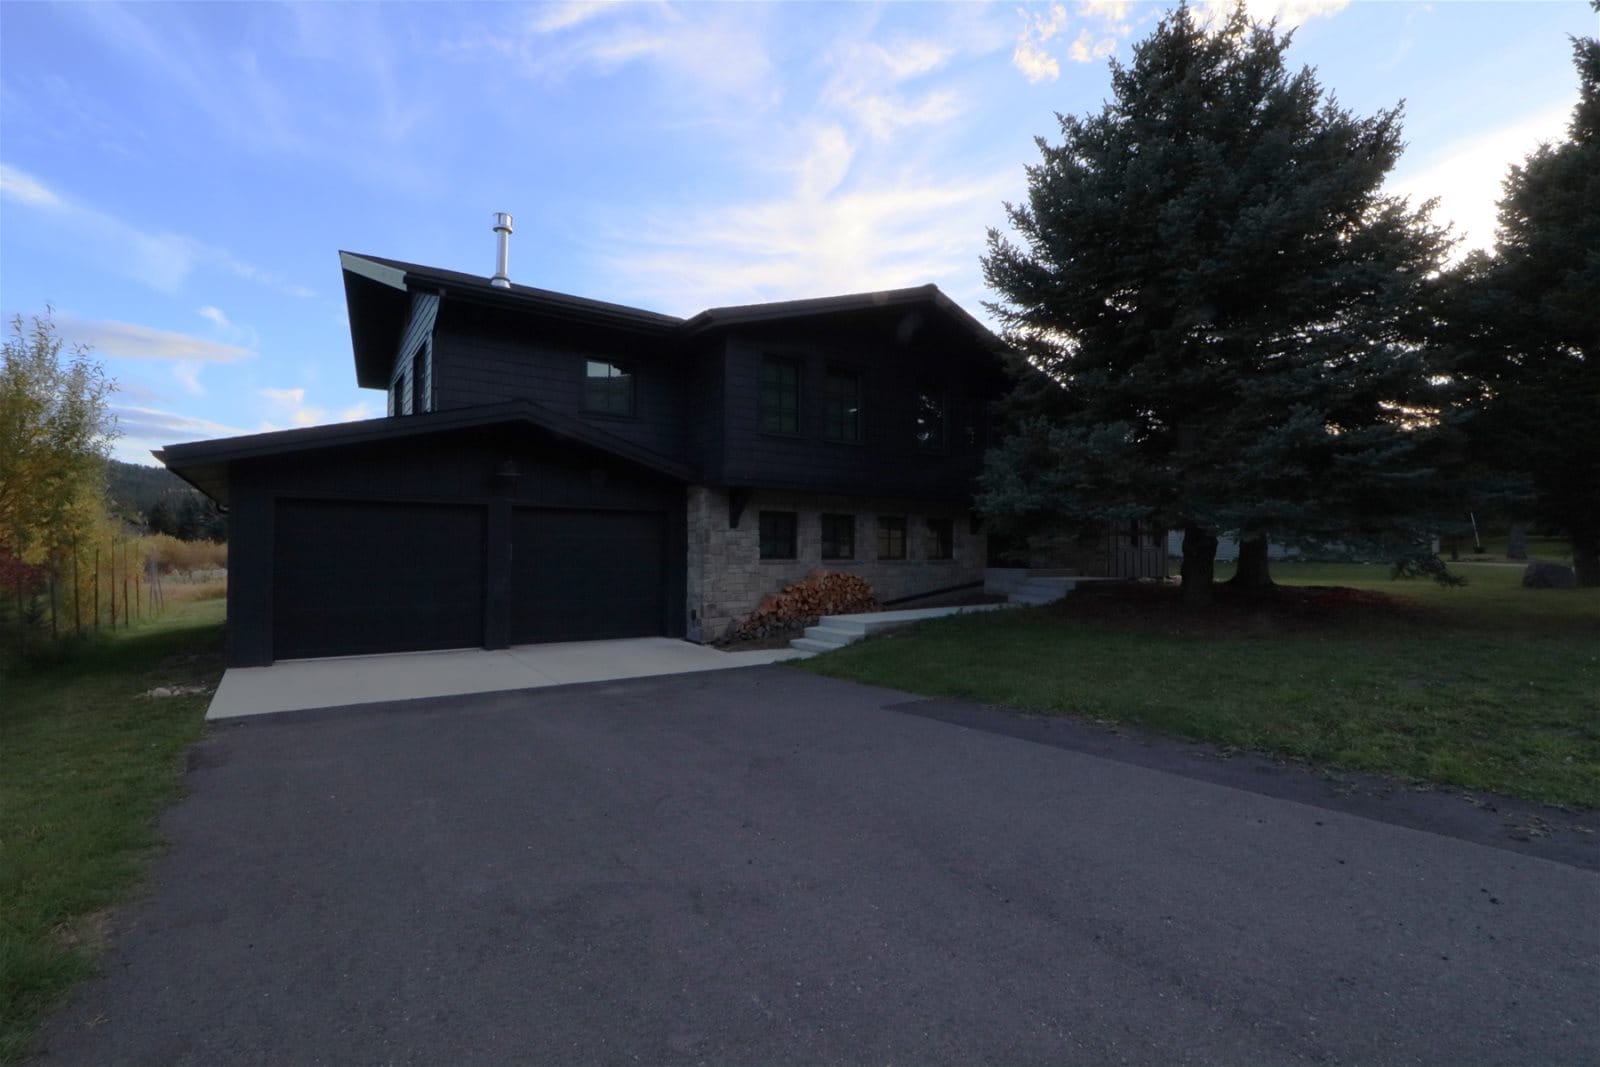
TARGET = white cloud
x,y
25,188
1030,55
1114,11
288,405
1289,13
1466,176
215,315
549,18
1086,48
189,375
128,340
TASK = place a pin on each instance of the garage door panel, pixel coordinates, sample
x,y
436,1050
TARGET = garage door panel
x,y
587,575
356,577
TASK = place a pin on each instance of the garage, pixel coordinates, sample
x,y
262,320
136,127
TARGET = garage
x,y
357,577
580,575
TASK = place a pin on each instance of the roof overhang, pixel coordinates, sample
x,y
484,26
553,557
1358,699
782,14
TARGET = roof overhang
x,y
206,465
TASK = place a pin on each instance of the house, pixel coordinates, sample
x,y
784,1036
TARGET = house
x,y
554,468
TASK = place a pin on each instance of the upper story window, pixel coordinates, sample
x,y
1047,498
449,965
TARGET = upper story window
x,y
931,419
941,539
780,395
838,537
607,388
778,534
841,405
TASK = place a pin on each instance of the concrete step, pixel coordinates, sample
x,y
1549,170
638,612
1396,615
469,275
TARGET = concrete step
x,y
806,644
835,635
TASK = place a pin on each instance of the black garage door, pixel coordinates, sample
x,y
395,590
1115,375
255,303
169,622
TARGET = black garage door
x,y
587,575
368,577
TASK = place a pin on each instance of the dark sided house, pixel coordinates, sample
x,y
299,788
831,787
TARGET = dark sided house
x,y
554,468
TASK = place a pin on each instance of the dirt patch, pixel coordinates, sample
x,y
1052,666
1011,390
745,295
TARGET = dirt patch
x,y
1159,607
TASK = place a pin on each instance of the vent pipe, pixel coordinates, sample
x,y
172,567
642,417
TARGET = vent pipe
x,y
502,227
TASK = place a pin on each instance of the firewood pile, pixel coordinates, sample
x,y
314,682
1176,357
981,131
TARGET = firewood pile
x,y
803,603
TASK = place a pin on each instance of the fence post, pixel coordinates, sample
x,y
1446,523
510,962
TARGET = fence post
x,y
125,623
53,635
96,588
77,609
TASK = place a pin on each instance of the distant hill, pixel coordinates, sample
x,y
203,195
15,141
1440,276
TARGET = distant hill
x,y
161,502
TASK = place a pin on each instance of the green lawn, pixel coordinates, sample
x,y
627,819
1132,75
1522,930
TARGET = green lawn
x,y
88,763
1490,686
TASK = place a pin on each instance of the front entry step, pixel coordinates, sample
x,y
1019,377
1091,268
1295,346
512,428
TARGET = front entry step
x,y
836,631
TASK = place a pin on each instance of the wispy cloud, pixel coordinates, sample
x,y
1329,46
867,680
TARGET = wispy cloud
x,y
128,340
288,406
1289,13
1466,176
142,429
1031,56
161,260
25,189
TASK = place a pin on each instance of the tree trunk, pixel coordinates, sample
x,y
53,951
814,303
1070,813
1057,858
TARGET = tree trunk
x,y
1199,565
1254,573
1517,541
1586,557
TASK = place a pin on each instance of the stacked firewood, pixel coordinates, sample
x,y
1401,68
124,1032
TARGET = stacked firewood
x,y
803,603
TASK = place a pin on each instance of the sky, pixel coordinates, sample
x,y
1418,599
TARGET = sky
x,y
176,180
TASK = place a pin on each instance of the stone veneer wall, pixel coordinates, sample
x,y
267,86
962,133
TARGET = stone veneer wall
x,y
727,578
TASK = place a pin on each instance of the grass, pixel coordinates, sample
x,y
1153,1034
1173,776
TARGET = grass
x,y
88,764
1490,686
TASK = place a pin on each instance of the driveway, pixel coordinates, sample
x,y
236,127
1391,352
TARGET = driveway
x,y
764,866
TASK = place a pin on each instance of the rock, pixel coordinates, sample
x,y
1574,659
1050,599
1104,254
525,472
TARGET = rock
x,y
1549,576
160,691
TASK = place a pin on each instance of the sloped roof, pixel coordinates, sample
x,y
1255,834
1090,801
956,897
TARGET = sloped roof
x,y
204,464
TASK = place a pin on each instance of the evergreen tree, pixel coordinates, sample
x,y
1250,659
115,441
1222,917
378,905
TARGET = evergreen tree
x,y
1216,310
1530,318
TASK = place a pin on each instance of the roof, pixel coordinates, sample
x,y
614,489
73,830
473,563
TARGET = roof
x,y
377,295
204,464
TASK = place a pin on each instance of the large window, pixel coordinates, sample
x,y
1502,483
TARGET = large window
x,y
941,539
780,395
931,421
607,388
841,405
891,537
838,537
778,535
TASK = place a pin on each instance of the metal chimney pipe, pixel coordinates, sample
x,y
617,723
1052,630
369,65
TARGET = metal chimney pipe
x,y
502,276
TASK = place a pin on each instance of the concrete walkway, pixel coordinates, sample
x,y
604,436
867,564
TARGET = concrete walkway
x,y
293,685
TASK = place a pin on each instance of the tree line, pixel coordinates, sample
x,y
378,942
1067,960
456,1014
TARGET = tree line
x,y
1219,322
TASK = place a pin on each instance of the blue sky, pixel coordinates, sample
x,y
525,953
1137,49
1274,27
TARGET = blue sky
x,y
176,179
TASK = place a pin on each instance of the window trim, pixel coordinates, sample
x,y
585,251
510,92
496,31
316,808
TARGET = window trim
x,y
793,518
884,527
849,522
798,365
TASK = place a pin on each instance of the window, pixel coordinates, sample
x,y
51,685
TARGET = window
x,y
838,537
891,537
930,421
777,535
780,395
941,539
841,405
607,388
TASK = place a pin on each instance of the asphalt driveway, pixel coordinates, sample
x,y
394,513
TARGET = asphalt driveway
x,y
764,866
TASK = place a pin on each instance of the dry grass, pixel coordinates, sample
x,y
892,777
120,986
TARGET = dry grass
x,y
173,556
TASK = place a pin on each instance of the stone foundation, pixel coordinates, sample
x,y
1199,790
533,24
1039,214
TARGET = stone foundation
x,y
727,578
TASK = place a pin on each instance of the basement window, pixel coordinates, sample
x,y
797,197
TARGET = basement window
x,y
941,539
838,537
891,537
778,534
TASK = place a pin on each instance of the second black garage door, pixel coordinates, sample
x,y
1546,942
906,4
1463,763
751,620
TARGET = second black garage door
x,y
579,575
354,577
